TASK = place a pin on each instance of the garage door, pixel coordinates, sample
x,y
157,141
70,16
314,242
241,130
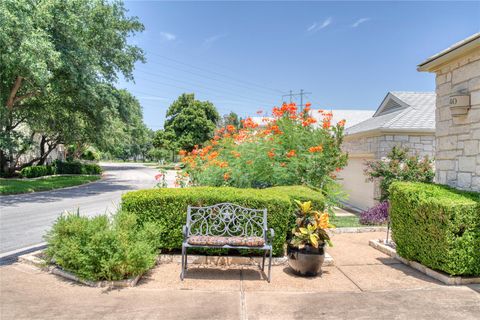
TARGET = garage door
x,y
352,178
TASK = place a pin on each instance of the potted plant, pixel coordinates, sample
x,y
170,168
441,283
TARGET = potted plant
x,y
306,248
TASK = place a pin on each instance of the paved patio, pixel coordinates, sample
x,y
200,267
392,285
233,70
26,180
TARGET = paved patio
x,y
364,283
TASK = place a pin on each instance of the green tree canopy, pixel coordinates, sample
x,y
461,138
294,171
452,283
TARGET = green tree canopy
x,y
192,121
230,119
58,63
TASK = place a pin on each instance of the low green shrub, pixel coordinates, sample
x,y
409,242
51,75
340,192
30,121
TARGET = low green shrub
x,y
91,168
168,208
37,171
437,226
77,167
99,249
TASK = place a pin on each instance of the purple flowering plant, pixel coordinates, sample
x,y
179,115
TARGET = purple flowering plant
x,y
376,215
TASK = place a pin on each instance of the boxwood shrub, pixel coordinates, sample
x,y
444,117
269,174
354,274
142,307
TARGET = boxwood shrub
x,y
437,226
77,167
168,208
37,171
99,249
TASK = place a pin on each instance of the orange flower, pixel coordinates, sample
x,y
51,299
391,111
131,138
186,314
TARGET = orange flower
x,y
212,155
271,153
235,154
318,148
307,108
326,124
249,123
226,176
341,123
338,169
308,121
282,164
230,128
223,164
291,153
308,104
182,152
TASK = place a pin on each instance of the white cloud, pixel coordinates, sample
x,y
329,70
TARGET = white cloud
x,y
211,40
359,22
312,27
167,36
316,26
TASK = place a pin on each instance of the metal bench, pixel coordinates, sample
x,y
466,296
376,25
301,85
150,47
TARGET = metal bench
x,y
227,226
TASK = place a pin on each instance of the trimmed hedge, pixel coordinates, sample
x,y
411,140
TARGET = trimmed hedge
x,y
437,226
77,167
37,171
168,208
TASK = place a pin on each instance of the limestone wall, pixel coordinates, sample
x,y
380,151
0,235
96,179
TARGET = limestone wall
x,y
379,146
458,139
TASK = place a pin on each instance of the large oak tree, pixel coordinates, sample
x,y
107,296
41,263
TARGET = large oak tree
x,y
59,61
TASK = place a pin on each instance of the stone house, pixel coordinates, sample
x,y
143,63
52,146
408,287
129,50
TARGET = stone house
x,y
457,133
404,119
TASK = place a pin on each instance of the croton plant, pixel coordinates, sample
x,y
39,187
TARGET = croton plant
x,y
310,227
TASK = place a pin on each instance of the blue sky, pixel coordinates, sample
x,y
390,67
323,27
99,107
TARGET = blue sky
x,y
243,56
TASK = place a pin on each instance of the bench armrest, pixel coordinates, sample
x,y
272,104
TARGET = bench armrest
x,y
185,231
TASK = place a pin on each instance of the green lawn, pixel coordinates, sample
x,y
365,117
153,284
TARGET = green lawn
x,y
14,186
349,222
345,222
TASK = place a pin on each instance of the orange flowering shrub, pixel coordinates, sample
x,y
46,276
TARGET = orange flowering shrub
x,y
288,149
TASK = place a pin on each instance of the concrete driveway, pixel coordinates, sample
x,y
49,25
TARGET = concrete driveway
x,y
363,284
25,218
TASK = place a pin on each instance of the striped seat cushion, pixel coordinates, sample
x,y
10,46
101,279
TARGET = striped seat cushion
x,y
221,241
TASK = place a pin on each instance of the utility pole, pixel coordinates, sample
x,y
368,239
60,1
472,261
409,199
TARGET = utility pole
x,y
300,94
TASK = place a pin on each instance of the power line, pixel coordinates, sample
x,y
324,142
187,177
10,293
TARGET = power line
x,y
145,93
220,74
223,81
197,85
239,99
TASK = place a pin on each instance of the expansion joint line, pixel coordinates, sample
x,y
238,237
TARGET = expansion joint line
x,y
243,301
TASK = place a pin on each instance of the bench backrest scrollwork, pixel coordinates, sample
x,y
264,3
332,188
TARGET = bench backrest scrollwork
x,y
226,220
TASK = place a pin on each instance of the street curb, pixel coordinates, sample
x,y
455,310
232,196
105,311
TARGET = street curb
x,y
438,275
17,252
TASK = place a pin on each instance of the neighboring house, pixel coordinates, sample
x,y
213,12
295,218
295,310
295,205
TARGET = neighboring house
x,y
57,153
352,117
457,156
404,119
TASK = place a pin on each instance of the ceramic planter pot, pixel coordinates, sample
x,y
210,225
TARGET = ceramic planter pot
x,y
306,262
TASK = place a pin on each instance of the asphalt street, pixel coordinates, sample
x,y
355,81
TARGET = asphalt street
x,y
25,218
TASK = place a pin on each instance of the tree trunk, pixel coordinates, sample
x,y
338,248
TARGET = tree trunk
x,y
42,151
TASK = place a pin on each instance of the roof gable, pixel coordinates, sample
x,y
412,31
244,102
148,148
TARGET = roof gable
x,y
390,104
401,111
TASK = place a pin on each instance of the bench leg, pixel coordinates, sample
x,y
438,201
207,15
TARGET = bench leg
x,y
182,273
270,267
263,260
